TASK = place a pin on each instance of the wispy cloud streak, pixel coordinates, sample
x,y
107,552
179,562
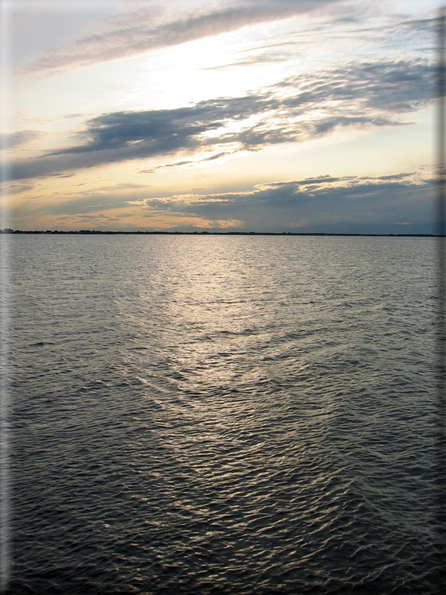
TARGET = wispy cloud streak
x,y
148,29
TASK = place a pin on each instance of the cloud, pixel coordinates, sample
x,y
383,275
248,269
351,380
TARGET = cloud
x,y
150,28
314,204
188,163
294,110
18,138
348,204
388,87
260,58
16,188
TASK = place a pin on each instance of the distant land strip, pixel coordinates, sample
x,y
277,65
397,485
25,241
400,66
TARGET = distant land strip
x,y
221,233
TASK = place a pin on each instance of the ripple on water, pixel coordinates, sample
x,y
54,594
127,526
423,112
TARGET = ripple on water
x,y
222,415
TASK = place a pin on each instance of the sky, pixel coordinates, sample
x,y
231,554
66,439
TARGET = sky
x,y
225,115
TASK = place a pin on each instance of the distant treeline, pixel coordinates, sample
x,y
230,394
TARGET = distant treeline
x,y
216,233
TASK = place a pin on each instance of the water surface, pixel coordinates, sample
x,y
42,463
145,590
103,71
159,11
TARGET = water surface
x,y
222,414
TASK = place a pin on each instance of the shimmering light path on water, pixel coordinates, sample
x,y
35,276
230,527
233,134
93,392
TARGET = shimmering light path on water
x,y
223,414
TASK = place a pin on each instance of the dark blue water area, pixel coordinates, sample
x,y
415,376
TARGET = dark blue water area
x,y
222,415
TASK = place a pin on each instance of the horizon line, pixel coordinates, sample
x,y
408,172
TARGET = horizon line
x,y
9,231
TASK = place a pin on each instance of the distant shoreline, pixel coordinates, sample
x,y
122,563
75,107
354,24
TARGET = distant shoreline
x,y
221,233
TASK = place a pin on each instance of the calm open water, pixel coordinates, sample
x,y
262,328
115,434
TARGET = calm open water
x,y
208,414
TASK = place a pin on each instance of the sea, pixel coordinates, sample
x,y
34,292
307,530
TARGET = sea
x,y
222,414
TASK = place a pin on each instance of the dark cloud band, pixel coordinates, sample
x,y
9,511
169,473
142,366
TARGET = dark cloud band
x,y
297,109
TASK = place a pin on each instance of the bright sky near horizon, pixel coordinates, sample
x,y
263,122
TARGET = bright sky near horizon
x,y
254,115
